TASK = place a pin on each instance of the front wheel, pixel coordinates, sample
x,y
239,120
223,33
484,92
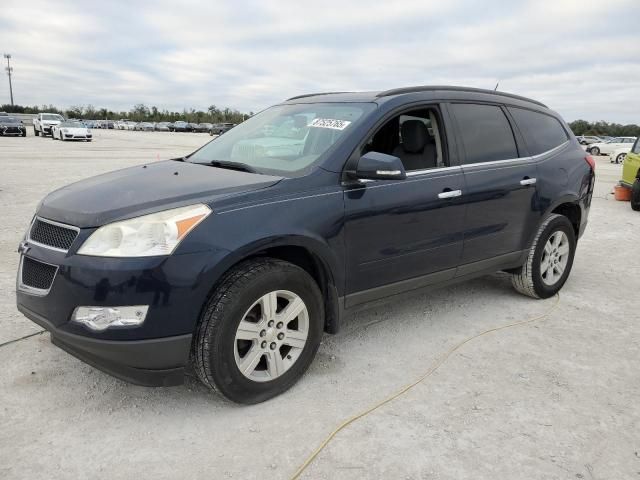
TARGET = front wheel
x,y
259,331
635,195
549,261
620,158
595,151
36,132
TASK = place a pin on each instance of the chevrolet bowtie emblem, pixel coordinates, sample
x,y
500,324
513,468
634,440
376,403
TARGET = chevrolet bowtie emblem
x,y
23,248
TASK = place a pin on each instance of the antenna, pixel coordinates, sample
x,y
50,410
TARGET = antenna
x,y
496,87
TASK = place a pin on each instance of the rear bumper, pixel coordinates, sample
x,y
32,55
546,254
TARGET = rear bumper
x,y
152,362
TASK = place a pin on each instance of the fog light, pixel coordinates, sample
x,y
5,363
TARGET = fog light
x,y
101,318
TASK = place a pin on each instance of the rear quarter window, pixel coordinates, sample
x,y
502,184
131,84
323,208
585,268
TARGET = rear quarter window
x,y
541,132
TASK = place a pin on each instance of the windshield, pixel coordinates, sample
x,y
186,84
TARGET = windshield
x,y
286,138
51,116
9,120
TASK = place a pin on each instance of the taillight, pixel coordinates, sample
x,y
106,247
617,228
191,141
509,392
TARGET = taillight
x,y
592,163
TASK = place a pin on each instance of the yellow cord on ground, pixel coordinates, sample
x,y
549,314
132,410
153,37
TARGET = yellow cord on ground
x,y
405,389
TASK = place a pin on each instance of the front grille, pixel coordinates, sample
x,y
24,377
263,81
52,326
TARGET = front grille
x,y
52,235
37,274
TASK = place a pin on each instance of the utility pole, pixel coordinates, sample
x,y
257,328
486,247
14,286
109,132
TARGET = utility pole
x,y
9,69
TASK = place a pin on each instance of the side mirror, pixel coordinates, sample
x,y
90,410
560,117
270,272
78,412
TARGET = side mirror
x,y
379,166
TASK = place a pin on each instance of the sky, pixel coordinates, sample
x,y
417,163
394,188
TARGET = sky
x,y
580,57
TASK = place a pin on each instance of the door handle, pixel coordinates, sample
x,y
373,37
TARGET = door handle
x,y
528,181
450,194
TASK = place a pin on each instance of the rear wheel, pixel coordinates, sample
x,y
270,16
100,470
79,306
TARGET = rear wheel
x,y
595,151
259,331
635,195
549,261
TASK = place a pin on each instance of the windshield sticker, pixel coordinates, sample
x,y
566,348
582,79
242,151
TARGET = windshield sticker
x,y
329,123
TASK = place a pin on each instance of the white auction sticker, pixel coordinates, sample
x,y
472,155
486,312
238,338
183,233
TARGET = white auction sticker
x,y
329,123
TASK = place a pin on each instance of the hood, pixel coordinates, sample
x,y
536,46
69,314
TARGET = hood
x,y
145,189
75,129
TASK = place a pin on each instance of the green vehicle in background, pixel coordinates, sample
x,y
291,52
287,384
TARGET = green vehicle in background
x,y
631,174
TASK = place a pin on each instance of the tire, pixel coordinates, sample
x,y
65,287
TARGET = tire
x,y
216,350
24,133
594,151
36,132
53,137
620,158
531,279
635,195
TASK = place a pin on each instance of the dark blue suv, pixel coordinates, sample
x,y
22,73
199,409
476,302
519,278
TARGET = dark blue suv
x,y
239,256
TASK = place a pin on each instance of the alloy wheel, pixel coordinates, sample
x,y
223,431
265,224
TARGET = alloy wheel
x,y
554,258
271,336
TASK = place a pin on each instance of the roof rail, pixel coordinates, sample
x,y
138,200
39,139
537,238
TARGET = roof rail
x,y
312,95
426,88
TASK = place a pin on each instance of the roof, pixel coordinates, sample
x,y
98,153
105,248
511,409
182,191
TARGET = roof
x,y
378,96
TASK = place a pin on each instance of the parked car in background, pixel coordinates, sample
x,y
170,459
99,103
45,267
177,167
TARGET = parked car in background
x,y
144,127
4,114
162,127
606,148
43,123
12,126
631,174
617,156
71,130
205,127
220,128
588,139
182,127
241,262
105,124
200,127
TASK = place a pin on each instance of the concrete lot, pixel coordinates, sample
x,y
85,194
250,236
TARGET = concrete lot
x,y
555,399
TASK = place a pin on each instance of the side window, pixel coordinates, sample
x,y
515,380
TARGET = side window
x,y
636,146
485,132
414,136
541,132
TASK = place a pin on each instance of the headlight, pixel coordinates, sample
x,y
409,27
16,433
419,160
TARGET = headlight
x,y
146,236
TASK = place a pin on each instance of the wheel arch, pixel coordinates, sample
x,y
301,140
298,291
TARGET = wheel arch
x,y
312,255
571,210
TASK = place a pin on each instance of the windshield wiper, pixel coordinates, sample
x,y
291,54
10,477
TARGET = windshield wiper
x,y
243,167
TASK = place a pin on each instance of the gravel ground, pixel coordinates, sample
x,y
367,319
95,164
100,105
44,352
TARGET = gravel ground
x,y
553,399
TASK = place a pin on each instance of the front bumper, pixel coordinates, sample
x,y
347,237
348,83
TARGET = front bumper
x,y
18,131
156,362
71,136
154,353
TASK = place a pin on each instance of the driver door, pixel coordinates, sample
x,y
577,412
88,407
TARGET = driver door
x,y
404,234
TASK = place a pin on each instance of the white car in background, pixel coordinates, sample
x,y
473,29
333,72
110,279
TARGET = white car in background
x,y
607,148
617,156
70,130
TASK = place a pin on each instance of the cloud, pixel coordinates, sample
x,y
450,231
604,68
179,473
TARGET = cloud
x,y
577,56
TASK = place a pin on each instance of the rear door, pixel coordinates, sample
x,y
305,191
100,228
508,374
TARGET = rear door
x,y
500,186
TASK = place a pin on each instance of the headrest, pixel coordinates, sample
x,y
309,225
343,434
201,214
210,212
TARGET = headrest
x,y
414,136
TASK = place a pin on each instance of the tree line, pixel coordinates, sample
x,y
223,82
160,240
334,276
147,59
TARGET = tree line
x,y
138,113
583,127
